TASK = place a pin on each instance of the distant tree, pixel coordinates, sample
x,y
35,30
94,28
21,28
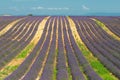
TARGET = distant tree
x,y
30,15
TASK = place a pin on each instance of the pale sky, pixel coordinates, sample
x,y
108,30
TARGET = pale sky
x,y
58,7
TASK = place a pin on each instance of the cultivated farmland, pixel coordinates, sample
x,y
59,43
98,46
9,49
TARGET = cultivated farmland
x,y
59,48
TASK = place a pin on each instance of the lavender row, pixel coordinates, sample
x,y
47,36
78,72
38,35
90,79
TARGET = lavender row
x,y
61,58
4,21
111,23
92,75
23,68
97,53
72,61
17,48
105,35
113,50
9,42
105,51
37,65
48,70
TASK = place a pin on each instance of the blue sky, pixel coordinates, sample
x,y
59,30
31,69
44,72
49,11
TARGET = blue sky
x,y
58,7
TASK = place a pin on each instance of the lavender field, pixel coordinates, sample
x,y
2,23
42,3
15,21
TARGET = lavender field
x,y
59,48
